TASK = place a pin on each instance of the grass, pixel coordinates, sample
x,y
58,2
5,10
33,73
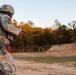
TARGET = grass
x,y
74,64
50,59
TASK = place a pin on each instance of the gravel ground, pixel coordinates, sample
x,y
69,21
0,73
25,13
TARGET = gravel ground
x,y
33,68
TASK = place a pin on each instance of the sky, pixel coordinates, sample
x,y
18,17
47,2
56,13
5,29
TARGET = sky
x,y
43,13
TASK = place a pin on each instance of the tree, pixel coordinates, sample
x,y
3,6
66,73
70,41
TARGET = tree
x,y
14,23
30,23
73,27
38,35
56,25
72,24
61,32
17,42
47,36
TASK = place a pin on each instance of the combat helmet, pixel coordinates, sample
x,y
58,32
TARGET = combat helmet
x,y
7,8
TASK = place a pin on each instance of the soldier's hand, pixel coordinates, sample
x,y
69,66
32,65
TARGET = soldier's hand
x,y
20,30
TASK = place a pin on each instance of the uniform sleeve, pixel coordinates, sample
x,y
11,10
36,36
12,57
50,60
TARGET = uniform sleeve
x,y
7,25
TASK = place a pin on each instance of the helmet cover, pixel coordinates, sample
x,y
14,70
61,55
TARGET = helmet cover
x,y
7,8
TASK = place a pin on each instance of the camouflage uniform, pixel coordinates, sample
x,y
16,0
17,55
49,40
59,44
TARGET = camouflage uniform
x,y
7,33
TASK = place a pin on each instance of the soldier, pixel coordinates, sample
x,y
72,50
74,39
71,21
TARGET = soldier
x,y
7,33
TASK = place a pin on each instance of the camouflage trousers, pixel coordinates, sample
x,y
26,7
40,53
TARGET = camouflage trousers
x,y
8,65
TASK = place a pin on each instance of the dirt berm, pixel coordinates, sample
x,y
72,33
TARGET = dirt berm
x,y
63,50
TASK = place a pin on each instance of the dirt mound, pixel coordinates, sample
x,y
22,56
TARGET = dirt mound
x,y
63,50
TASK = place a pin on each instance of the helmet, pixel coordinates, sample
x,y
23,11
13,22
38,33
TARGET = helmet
x,y
7,8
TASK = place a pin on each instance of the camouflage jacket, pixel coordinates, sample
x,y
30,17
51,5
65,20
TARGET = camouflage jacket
x,y
7,27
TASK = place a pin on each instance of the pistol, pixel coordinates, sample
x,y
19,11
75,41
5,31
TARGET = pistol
x,y
24,31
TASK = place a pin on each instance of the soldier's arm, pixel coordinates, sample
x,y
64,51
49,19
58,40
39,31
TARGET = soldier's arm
x,y
6,24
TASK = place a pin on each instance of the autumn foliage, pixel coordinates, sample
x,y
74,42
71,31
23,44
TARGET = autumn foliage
x,y
37,36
